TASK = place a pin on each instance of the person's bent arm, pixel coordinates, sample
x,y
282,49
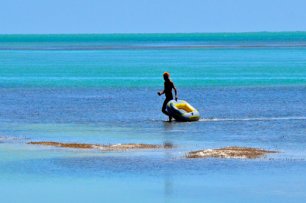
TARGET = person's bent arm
x,y
175,91
161,92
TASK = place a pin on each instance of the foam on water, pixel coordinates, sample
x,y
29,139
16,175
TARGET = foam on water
x,y
251,119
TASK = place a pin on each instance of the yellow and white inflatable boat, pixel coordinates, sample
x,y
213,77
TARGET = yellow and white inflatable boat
x,y
182,111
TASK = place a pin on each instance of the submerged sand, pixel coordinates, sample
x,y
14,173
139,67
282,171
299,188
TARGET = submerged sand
x,y
230,153
4,139
115,147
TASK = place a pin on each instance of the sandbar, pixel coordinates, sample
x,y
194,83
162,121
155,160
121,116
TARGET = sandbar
x,y
230,153
113,147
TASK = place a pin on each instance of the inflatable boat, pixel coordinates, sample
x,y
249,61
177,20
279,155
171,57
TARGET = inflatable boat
x,y
182,111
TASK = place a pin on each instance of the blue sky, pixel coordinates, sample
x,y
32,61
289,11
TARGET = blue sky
x,y
151,16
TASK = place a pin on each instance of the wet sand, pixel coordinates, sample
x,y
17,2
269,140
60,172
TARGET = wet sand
x,y
230,153
114,147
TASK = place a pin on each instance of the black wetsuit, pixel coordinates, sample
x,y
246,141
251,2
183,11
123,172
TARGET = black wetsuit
x,y
168,85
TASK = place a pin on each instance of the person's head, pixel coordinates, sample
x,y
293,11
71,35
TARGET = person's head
x,y
166,76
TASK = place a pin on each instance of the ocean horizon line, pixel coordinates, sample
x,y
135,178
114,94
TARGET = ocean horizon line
x,y
158,33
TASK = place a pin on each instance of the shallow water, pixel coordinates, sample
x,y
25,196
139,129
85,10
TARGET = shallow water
x,y
249,97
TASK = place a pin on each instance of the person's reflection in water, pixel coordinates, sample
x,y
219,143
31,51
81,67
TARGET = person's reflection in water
x,y
168,188
168,182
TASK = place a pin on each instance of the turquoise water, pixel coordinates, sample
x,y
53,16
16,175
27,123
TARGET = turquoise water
x,y
251,59
101,89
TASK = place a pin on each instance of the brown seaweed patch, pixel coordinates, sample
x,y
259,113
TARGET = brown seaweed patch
x,y
230,153
115,147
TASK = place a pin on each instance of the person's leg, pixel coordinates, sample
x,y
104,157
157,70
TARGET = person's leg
x,y
165,106
164,109
170,118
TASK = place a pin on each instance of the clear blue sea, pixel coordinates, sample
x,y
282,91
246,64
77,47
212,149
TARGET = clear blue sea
x,y
250,89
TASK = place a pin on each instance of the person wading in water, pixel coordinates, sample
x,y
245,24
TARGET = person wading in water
x,y
168,86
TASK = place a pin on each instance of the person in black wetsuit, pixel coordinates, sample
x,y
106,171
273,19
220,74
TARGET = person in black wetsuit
x,y
168,86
